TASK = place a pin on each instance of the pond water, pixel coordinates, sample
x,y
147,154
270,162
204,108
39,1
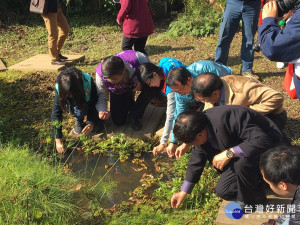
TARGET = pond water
x,y
126,175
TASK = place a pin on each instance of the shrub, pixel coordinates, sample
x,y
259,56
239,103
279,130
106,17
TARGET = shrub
x,y
200,18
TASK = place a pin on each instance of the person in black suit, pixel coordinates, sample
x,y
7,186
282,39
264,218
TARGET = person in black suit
x,y
231,138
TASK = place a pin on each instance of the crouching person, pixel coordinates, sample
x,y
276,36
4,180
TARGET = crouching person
x,y
280,168
75,92
231,138
240,90
117,80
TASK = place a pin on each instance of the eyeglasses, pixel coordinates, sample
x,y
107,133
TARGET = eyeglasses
x,y
179,91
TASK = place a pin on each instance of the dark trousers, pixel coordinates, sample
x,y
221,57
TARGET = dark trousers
x,y
241,180
80,113
279,119
138,43
120,105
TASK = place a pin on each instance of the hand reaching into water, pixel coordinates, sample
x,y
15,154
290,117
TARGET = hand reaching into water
x,y
59,146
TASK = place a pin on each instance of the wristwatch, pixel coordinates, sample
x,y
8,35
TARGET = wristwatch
x,y
229,154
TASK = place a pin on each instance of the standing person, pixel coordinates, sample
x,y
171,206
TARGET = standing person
x,y
74,92
232,138
58,30
236,10
155,76
136,19
280,168
117,75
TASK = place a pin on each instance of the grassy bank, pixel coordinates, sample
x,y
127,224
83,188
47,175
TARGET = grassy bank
x,y
33,192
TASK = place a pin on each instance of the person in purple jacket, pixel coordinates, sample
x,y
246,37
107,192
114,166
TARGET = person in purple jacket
x,y
117,76
136,19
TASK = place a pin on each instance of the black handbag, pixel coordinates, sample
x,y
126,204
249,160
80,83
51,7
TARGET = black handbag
x,y
38,6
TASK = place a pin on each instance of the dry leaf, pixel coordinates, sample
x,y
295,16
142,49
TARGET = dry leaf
x,y
78,187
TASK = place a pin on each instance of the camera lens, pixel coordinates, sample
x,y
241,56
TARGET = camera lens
x,y
286,5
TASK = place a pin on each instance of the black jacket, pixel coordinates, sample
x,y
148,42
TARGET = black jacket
x,y
231,126
53,6
293,215
92,114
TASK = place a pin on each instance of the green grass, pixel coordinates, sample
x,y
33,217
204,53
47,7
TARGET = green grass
x,y
34,192
26,101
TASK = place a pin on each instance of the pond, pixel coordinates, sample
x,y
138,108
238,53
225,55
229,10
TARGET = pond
x,y
126,175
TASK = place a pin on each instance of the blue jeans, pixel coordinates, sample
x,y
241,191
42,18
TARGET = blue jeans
x,y
236,10
80,113
297,85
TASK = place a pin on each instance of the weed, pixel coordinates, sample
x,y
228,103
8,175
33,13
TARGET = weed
x,y
199,19
34,192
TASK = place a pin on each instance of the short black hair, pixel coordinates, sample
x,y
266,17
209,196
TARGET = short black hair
x,y
179,74
111,66
188,124
147,70
205,84
281,163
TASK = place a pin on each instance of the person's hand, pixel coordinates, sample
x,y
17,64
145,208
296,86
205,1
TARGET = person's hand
x,y
103,115
287,15
220,160
181,150
171,149
270,9
177,198
212,1
119,22
138,86
87,129
158,149
59,146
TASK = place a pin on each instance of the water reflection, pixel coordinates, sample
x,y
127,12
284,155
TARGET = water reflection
x,y
126,175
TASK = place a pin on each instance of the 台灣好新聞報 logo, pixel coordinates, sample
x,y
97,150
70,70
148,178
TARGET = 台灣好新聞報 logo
x,y
233,210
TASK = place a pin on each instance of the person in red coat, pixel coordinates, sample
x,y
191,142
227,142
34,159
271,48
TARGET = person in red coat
x,y
136,19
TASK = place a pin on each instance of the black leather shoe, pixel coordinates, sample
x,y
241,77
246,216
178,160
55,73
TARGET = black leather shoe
x,y
60,56
58,62
136,125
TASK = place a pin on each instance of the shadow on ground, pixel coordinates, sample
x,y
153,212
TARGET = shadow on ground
x,y
155,49
291,129
26,107
236,60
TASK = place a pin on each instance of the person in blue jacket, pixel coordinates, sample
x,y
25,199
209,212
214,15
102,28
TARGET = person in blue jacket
x,y
155,77
281,44
180,80
74,92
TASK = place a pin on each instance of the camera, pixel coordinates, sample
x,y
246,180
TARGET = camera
x,y
286,5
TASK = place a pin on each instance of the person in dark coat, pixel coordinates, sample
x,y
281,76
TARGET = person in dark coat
x,y
75,92
231,138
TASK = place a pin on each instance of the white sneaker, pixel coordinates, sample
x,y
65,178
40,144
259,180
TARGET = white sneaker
x,y
280,65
